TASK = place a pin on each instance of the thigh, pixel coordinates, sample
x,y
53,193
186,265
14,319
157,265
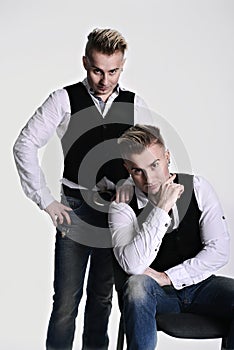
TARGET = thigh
x,y
88,226
168,301
101,271
70,264
215,297
144,289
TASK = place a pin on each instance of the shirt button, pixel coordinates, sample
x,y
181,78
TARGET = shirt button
x,y
166,225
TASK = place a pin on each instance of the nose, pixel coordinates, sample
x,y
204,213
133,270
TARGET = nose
x,y
104,79
148,177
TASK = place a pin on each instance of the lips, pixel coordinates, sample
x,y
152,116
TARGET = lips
x,y
102,88
152,187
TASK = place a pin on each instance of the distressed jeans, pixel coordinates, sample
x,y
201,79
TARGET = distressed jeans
x,y
71,259
143,298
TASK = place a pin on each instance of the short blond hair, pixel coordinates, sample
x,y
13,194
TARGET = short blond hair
x,y
106,41
137,138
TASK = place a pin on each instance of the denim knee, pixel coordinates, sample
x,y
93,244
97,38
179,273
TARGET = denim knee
x,y
139,287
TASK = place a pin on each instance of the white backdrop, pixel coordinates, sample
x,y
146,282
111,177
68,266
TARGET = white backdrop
x,y
180,60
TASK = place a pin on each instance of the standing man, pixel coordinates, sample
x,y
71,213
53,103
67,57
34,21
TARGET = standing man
x,y
168,242
84,115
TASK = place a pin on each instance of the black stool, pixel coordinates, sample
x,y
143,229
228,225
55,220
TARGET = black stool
x,y
184,325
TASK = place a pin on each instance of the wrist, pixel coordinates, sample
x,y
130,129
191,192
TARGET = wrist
x,y
167,279
163,206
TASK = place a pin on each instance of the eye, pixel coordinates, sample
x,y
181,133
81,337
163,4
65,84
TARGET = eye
x,y
136,171
113,71
155,164
97,71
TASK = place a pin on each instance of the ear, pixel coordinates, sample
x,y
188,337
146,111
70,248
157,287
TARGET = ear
x,y
126,165
123,62
167,156
85,62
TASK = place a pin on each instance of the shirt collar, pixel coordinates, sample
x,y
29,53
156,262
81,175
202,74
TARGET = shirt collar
x,y
114,94
142,200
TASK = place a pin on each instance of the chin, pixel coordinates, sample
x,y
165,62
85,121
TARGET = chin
x,y
154,190
150,190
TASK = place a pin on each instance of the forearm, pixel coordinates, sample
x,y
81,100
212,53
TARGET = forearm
x,y
214,236
31,176
214,256
36,134
135,248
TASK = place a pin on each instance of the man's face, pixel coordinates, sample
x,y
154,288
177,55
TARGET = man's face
x,y
149,169
103,72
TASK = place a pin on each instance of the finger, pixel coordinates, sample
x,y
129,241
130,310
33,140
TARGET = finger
x,y
54,219
125,197
66,208
130,192
117,196
67,217
181,190
171,178
122,196
113,198
60,218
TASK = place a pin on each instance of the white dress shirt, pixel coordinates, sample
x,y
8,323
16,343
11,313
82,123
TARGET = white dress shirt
x,y
135,248
54,116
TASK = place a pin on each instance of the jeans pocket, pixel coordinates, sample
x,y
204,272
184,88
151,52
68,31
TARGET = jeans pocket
x,y
74,203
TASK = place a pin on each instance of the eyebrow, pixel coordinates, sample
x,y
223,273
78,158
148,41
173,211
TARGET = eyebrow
x,y
137,168
156,160
117,68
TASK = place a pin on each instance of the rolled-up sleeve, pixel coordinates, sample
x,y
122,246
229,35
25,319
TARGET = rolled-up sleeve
x,y
215,239
36,133
135,248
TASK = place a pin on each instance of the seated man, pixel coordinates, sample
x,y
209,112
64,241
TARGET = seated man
x,y
169,240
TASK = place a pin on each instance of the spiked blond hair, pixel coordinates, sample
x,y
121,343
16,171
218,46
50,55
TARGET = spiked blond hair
x,y
106,41
137,138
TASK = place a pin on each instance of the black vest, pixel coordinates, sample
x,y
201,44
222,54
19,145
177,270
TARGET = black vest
x,y
89,143
177,245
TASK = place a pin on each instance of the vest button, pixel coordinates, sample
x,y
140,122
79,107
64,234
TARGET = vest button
x,y
166,225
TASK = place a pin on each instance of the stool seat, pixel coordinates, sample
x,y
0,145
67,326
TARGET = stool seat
x,y
191,326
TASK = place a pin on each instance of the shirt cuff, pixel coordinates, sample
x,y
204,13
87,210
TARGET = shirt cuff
x,y
158,218
43,198
179,277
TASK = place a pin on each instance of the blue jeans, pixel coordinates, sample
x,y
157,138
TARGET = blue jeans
x,y
143,298
71,260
